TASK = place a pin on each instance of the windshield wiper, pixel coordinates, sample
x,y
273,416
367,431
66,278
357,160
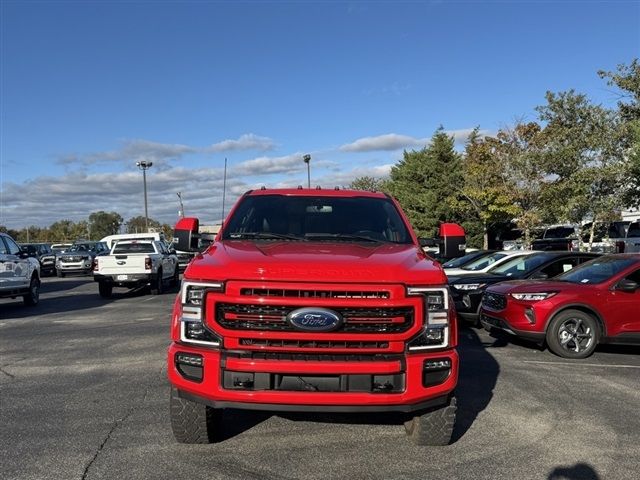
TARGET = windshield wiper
x,y
263,236
342,236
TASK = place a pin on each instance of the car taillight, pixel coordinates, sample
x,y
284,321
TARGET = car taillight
x,y
147,264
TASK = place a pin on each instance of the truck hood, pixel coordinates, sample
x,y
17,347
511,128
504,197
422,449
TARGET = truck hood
x,y
315,261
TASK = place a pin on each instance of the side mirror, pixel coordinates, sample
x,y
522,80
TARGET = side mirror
x,y
186,234
539,276
628,286
25,254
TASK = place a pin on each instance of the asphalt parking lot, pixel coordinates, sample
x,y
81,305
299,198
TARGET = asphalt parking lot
x,y
84,395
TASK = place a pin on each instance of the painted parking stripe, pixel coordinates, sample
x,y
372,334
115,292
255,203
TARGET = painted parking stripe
x,y
582,364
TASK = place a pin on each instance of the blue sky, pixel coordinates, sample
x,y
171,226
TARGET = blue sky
x,y
89,88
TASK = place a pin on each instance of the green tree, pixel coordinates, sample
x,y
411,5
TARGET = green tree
x,y
519,151
486,193
367,183
103,223
422,182
138,225
63,231
627,80
583,158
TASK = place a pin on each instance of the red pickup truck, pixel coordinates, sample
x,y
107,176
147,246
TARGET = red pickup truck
x,y
312,300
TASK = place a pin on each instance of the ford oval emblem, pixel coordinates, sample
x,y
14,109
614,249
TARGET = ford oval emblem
x,y
314,319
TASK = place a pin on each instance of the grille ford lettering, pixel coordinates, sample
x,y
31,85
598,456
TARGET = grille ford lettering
x,y
314,319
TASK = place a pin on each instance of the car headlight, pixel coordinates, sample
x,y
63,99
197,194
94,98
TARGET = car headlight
x,y
533,297
467,287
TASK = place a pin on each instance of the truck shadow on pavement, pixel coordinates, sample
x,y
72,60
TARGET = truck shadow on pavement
x,y
580,471
478,375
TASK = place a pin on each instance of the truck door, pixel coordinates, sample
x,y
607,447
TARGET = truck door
x,y
15,269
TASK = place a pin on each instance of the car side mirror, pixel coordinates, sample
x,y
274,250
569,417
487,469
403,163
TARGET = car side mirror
x,y
539,276
628,286
24,254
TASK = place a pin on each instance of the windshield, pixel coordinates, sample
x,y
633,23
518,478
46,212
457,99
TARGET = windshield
x,y
484,262
559,232
80,247
468,258
133,248
520,266
597,271
634,230
318,218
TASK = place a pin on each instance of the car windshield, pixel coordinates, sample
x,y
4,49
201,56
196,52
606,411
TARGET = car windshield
x,y
634,230
520,266
468,258
133,248
597,271
559,232
80,247
484,262
317,218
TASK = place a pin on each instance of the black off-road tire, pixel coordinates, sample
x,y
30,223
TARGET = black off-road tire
x,y
433,427
157,287
105,289
193,422
563,338
33,297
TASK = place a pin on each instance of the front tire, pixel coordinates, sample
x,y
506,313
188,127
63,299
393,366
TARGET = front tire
x,y
192,422
573,334
33,297
434,427
158,286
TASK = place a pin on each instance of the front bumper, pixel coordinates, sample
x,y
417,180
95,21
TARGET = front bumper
x,y
217,388
490,322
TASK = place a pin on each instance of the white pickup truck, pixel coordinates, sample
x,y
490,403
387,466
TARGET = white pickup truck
x,y
134,263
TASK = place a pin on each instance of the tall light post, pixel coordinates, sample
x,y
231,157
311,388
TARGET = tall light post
x,y
181,212
307,160
144,166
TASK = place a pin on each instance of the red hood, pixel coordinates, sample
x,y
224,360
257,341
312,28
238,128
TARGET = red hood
x,y
315,261
537,286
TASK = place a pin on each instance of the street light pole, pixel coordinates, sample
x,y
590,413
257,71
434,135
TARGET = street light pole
x,y
307,160
181,212
144,166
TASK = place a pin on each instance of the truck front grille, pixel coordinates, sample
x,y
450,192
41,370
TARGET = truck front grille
x,y
273,318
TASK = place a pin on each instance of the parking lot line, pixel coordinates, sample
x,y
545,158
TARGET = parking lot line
x,y
581,364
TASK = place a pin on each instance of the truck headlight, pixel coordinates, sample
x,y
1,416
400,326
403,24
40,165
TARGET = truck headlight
x,y
435,333
192,326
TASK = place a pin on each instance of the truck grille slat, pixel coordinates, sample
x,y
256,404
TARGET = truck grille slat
x,y
304,293
315,344
273,318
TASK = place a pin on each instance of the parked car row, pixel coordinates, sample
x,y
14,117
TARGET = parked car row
x,y
570,301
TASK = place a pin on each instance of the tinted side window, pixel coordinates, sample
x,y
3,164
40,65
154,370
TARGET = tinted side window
x,y
3,247
634,230
560,266
635,276
12,246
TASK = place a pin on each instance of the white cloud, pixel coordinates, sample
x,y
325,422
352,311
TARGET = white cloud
x,y
247,141
271,165
390,141
162,154
394,141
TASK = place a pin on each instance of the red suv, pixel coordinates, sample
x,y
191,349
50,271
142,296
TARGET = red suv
x,y
597,302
